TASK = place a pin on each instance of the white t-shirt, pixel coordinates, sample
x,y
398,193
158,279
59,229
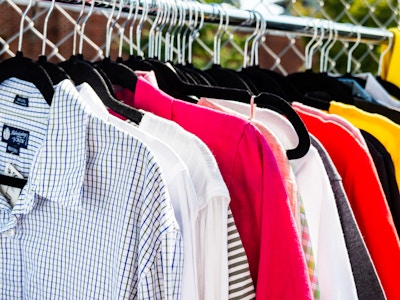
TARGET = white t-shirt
x,y
378,92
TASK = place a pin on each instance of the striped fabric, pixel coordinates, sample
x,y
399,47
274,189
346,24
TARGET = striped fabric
x,y
240,283
94,220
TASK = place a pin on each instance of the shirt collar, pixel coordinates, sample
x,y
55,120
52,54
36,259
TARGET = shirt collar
x,y
58,168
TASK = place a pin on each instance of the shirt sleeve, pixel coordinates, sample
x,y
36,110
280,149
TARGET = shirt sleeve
x,y
163,280
160,244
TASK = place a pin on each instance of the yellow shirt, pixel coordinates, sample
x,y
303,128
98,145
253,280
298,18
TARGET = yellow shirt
x,y
391,61
386,131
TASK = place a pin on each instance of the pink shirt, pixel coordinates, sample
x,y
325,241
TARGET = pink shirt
x,y
259,202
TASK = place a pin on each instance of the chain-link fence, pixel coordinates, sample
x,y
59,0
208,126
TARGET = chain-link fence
x,y
284,54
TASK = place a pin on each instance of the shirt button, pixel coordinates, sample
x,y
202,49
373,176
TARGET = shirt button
x,y
9,233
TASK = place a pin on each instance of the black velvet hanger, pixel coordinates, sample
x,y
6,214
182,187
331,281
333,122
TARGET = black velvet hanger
x,y
118,73
184,76
315,84
56,73
200,75
137,63
284,88
281,106
229,78
262,81
81,71
169,82
28,70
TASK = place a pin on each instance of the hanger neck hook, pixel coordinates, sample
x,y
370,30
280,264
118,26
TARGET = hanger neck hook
x,y
350,55
172,23
46,21
139,27
113,24
224,12
335,37
383,54
309,44
260,34
179,28
122,29
255,16
152,29
82,33
185,33
132,24
77,27
199,22
221,21
21,26
325,46
316,45
167,11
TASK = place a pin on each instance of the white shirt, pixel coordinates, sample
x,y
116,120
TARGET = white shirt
x,y
212,207
378,92
178,181
94,220
332,261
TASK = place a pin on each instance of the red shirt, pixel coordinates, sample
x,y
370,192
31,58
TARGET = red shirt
x,y
366,197
259,202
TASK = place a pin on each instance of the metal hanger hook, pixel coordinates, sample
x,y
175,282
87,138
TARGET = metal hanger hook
x,y
335,37
77,27
223,32
325,46
307,48
172,23
350,55
221,21
46,22
139,27
383,54
256,43
251,36
122,29
197,27
21,26
82,33
316,45
153,28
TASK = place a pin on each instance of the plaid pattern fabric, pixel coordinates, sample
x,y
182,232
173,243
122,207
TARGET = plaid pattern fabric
x,y
94,220
308,251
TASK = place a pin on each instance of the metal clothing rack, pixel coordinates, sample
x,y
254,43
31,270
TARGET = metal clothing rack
x,y
61,41
303,26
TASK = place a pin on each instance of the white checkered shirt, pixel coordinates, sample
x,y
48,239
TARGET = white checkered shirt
x,y
94,220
